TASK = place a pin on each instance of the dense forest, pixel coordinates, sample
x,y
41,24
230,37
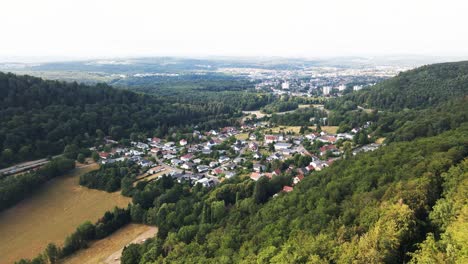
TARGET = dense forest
x,y
375,207
39,118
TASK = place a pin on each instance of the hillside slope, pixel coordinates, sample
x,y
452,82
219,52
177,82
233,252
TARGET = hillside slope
x,y
39,118
404,202
419,88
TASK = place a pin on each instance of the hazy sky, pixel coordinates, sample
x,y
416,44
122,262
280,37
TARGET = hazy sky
x,y
96,28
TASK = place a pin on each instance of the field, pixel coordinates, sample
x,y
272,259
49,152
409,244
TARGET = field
x,y
51,214
258,113
280,129
242,136
380,140
330,129
109,249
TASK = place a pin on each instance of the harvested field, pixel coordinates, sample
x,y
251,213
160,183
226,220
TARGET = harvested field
x,y
51,214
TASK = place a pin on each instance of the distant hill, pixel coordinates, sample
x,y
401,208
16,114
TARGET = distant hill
x,y
423,87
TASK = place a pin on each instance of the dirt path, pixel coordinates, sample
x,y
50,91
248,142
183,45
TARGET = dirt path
x,y
115,257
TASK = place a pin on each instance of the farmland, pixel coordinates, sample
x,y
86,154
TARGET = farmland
x,y
109,249
51,214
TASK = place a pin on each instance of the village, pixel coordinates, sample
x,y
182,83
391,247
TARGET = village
x,y
252,150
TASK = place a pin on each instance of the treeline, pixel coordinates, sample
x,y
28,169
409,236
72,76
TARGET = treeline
x,y
39,118
372,207
419,88
300,117
110,177
84,234
238,94
280,106
15,188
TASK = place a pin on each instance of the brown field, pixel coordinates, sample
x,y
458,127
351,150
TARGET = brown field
x,y
109,249
51,214
305,106
330,129
294,129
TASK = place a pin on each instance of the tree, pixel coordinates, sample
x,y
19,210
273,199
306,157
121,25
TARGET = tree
x,y
260,192
52,252
80,158
95,156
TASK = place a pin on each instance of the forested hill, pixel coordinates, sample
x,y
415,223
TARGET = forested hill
x,y
419,88
39,118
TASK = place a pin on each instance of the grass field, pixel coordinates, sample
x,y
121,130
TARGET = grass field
x,y
109,249
278,129
51,214
242,136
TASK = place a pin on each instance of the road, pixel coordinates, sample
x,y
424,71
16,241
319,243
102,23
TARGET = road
x,y
24,166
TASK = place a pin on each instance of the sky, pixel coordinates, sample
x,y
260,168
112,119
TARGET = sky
x,y
293,28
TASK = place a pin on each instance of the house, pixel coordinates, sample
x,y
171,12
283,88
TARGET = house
x,y
187,157
145,163
229,174
213,164
187,166
168,156
288,189
197,161
183,142
237,147
345,136
206,182
238,160
310,168
297,179
270,139
176,162
277,172
155,150
169,144
104,155
230,166
257,155
142,146
156,140
202,168
206,151
331,148
312,136
252,136
301,171
319,165
210,143
253,146
223,159
255,176
281,146
259,167
217,171
327,139
156,170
